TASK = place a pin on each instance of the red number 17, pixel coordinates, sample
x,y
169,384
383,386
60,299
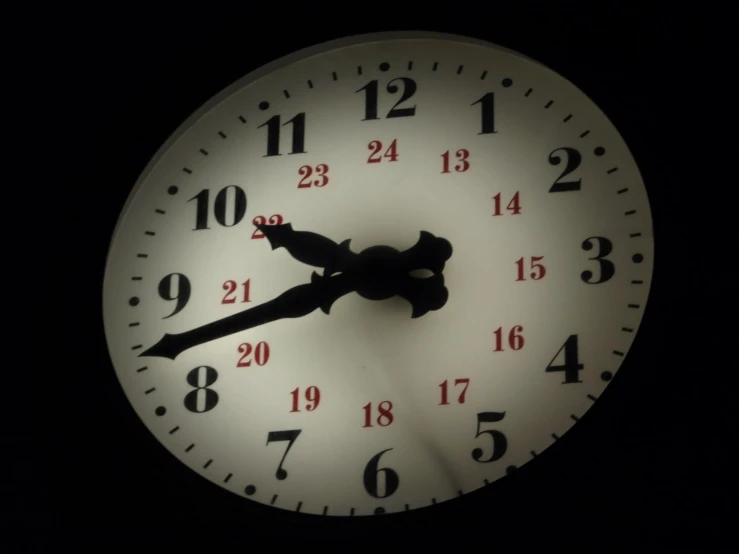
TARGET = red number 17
x,y
445,390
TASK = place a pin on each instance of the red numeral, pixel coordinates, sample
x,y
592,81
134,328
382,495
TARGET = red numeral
x,y
261,354
461,155
376,146
515,339
514,206
537,270
445,391
312,397
230,288
306,171
384,410
276,219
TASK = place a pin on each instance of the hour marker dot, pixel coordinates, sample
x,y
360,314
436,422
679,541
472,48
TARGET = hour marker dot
x,y
133,301
264,105
379,511
637,258
384,66
606,375
250,489
507,82
510,469
160,411
599,151
173,190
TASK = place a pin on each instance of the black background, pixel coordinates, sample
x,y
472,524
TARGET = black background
x,y
649,460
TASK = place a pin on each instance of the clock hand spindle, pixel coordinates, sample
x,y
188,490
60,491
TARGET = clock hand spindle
x,y
295,302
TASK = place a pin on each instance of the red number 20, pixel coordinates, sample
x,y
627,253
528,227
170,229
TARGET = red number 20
x,y
261,354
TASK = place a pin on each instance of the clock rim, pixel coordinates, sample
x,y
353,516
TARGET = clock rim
x,y
323,48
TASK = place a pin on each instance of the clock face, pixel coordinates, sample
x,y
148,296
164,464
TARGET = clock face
x,y
378,274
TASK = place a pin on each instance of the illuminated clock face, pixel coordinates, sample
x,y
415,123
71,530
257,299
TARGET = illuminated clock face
x,y
378,274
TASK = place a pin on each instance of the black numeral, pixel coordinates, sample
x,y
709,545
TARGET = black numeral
x,y
573,162
371,90
500,443
487,105
277,436
273,134
607,269
371,477
571,365
203,398
175,286
224,200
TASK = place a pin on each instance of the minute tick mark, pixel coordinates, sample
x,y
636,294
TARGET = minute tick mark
x,y
242,119
160,211
186,170
189,448
152,389
630,212
546,107
627,329
174,430
207,464
334,76
436,66
134,324
203,151
566,119
142,255
310,83
484,74
222,134
287,94
573,417
136,347
459,69
612,170
622,191
228,478
150,233
528,92
584,134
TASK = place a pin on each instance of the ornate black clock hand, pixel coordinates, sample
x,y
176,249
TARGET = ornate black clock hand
x,y
295,302
310,248
377,273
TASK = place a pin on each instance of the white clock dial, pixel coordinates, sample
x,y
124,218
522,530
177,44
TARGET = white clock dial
x,y
516,267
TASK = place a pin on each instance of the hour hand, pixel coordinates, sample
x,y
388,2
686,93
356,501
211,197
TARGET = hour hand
x,y
309,248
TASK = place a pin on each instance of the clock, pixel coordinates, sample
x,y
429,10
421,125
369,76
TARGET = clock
x,y
378,274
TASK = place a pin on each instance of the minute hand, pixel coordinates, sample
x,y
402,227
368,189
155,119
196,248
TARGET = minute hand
x,y
295,302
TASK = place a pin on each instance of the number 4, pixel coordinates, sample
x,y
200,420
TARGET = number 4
x,y
571,364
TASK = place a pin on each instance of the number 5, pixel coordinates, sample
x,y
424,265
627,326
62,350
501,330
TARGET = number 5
x,y
500,443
